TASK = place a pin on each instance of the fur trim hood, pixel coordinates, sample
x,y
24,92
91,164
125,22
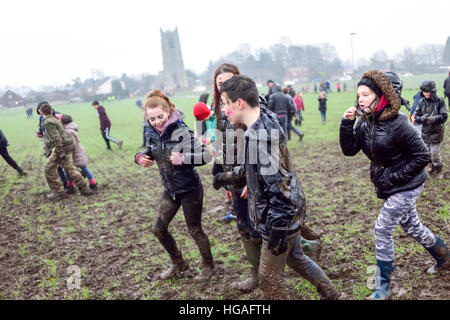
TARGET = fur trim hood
x,y
384,83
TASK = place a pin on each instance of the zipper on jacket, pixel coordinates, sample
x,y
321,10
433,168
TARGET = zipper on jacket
x,y
371,138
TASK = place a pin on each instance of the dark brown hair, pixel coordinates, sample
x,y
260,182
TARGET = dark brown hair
x,y
223,68
46,109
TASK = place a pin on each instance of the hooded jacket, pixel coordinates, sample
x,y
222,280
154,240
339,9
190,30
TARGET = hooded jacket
x,y
275,197
177,137
432,113
80,158
398,155
279,103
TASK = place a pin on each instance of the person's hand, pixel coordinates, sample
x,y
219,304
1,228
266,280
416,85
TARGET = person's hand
x,y
244,193
229,195
39,135
413,119
278,243
350,113
145,161
176,158
418,120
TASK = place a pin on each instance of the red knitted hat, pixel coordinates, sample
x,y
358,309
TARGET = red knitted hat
x,y
201,111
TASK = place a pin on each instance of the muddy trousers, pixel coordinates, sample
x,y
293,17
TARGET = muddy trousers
x,y
4,153
400,208
271,271
435,153
51,172
108,138
192,203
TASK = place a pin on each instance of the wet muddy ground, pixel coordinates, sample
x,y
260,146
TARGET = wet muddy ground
x,y
106,239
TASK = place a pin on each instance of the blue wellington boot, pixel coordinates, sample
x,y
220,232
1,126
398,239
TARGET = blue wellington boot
x,y
383,279
441,254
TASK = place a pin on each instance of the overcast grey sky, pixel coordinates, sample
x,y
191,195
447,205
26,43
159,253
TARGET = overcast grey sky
x,y
51,42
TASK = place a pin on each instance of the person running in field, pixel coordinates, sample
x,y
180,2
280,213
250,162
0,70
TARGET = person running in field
x,y
61,155
323,106
5,155
79,156
432,113
398,158
177,151
105,126
46,146
300,106
276,199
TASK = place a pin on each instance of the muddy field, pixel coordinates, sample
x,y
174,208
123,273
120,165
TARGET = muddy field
x,y
107,237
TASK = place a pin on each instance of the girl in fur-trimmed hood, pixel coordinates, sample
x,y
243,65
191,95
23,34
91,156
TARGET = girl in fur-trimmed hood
x,y
398,157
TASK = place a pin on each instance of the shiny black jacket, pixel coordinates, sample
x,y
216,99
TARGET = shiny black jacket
x,y
434,109
275,197
398,155
177,138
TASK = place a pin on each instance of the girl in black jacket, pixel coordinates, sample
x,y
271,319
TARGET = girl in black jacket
x,y
176,151
398,157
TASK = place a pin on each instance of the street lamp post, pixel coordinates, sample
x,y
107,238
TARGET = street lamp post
x,y
353,58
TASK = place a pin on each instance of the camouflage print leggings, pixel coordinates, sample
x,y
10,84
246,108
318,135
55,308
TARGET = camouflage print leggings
x,y
51,172
400,208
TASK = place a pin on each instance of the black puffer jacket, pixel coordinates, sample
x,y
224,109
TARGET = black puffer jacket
x,y
387,138
279,103
3,141
275,197
433,114
177,138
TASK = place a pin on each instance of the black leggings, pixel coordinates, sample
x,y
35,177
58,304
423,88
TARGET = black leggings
x,y
4,153
192,203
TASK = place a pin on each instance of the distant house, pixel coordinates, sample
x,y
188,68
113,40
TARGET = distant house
x,y
297,74
107,87
11,99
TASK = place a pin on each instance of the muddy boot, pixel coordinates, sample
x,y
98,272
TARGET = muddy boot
x,y
432,170
202,241
308,233
71,190
438,174
309,270
312,249
21,173
383,280
442,256
56,195
86,191
178,265
253,253
206,274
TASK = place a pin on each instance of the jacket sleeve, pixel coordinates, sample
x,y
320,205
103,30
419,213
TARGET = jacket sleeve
x,y
418,110
271,103
442,115
348,140
55,137
194,152
276,183
415,153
